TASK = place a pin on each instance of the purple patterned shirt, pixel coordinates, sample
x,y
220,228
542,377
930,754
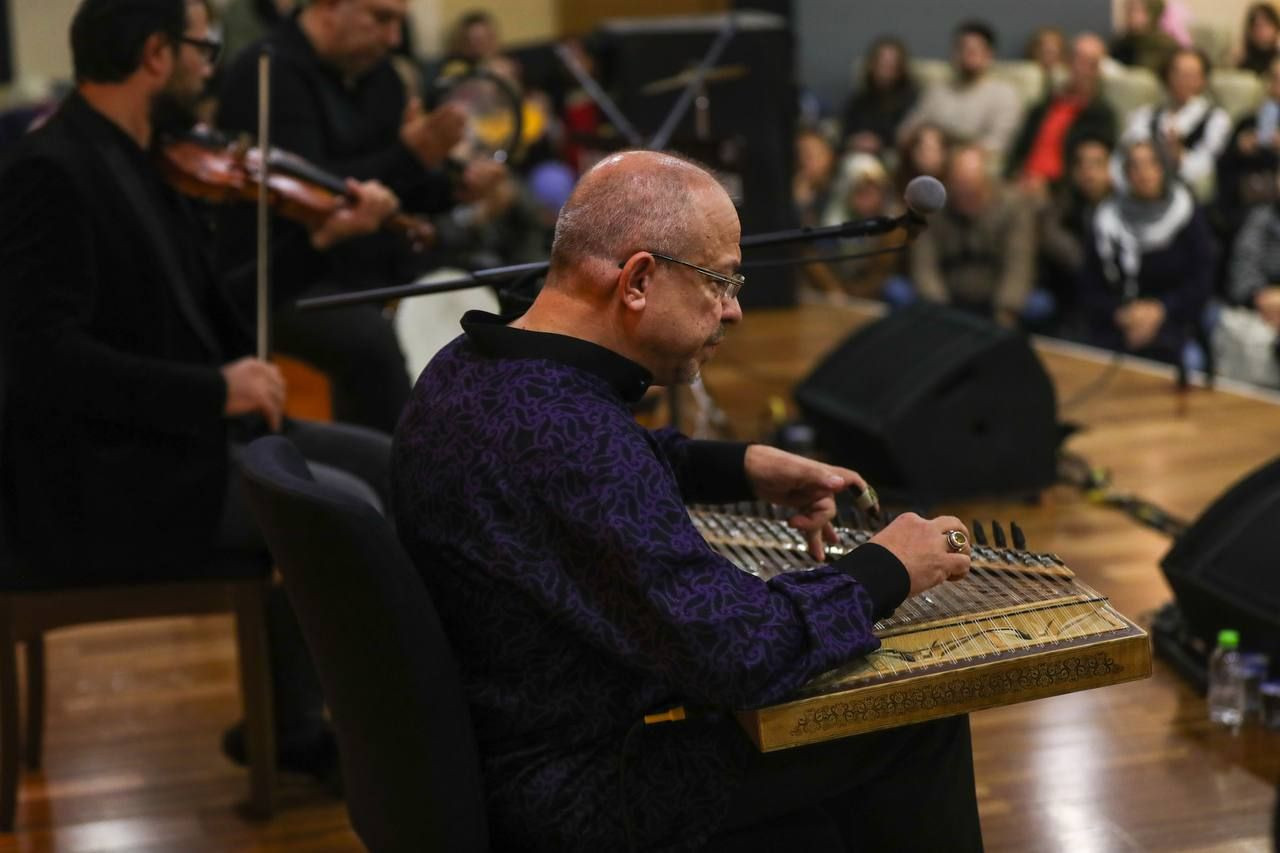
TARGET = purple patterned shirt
x,y
552,532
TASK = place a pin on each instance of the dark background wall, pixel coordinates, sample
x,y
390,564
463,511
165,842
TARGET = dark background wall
x,y
830,33
6,48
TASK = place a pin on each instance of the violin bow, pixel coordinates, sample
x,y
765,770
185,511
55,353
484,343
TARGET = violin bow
x,y
264,209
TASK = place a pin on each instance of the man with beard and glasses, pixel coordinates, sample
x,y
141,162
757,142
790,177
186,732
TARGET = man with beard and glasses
x,y
129,393
551,530
975,106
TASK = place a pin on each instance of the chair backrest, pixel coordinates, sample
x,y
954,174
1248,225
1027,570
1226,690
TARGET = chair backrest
x,y
409,757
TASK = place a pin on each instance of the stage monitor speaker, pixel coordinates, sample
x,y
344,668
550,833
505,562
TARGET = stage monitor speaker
x,y
932,404
1225,571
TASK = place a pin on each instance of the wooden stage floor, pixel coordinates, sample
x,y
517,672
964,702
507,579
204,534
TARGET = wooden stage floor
x,y
136,710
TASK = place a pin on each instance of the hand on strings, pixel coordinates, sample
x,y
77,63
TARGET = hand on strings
x,y
804,485
432,135
373,203
921,545
254,385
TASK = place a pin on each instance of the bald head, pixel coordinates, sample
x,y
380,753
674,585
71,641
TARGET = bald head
x,y
632,201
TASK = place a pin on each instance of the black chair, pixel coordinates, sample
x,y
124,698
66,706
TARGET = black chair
x,y
409,759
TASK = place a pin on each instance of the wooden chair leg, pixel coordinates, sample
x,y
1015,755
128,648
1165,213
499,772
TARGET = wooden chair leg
x,y
255,686
33,747
9,744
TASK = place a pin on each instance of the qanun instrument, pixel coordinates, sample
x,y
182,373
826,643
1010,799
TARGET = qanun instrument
x,y
1019,626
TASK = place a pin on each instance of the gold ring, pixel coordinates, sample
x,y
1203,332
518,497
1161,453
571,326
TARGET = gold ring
x,y
957,540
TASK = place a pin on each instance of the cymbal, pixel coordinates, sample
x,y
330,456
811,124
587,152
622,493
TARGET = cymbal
x,y
679,81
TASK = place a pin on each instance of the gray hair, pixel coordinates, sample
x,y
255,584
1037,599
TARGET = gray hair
x,y
628,210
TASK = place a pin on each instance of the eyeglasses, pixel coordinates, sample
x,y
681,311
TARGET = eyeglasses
x,y
209,47
731,284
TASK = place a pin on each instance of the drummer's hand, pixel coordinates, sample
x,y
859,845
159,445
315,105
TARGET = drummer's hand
x,y
372,204
805,485
432,135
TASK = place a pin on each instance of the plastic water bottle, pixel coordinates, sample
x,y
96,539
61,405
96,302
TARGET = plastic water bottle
x,y
1226,682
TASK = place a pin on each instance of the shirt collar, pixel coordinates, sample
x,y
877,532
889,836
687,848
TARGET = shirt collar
x,y
492,336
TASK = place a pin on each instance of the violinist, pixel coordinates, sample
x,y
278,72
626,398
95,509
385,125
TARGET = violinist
x,y
129,392
337,101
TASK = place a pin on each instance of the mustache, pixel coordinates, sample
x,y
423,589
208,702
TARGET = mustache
x,y
717,337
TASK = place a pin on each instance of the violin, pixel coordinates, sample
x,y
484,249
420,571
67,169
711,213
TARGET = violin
x,y
203,166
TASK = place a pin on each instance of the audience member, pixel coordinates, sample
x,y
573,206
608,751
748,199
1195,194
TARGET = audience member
x,y
815,170
1047,48
923,152
1248,167
1053,126
1261,38
1254,271
1149,269
1142,43
873,113
974,106
979,253
1190,130
862,191
1064,227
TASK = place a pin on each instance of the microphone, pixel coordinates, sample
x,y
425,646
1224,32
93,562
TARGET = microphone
x,y
924,196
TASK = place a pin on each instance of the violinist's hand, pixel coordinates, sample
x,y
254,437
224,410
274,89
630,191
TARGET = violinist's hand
x,y
254,385
432,135
807,486
373,204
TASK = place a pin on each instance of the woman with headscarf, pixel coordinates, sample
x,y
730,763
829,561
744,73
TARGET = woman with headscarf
x,y
1143,43
1149,271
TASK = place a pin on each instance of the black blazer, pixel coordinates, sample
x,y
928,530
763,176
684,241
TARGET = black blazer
x,y
114,457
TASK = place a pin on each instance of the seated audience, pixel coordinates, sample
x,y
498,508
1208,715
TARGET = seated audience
x,y
1248,167
1047,48
979,253
1065,228
1149,269
815,170
862,191
1142,43
1038,158
1189,128
1261,38
1254,269
923,152
873,113
973,107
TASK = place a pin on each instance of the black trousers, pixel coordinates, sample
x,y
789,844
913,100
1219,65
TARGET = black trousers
x,y
904,790
354,459
357,349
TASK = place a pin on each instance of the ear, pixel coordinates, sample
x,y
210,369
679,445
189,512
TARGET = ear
x,y
635,279
158,55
